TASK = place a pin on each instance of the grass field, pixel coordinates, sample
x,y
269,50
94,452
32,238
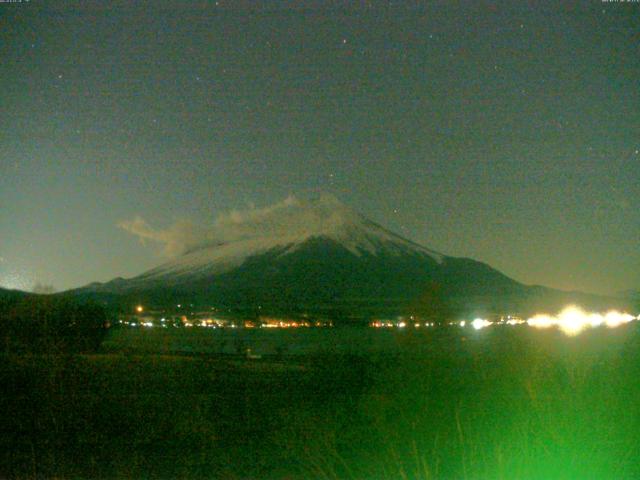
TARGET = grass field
x,y
501,403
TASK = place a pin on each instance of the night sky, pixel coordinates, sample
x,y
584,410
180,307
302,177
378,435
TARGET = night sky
x,y
508,135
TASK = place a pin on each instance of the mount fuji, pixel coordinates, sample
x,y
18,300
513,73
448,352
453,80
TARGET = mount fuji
x,y
322,257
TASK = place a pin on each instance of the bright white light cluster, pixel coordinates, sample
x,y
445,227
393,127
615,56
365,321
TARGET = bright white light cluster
x,y
573,320
479,323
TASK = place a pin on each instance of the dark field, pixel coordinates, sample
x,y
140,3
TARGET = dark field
x,y
500,403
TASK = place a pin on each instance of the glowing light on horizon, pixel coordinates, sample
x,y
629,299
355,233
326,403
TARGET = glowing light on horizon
x,y
573,320
614,318
479,323
541,321
514,321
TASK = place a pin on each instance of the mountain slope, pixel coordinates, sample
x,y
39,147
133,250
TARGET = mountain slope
x,y
284,232
323,257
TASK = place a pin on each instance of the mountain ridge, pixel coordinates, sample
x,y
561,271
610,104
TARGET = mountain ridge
x,y
322,255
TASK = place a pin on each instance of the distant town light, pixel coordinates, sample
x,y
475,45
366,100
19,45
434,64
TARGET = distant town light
x,y
573,320
513,321
139,309
479,323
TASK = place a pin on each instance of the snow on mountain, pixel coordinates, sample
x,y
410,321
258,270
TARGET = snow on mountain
x,y
318,256
285,227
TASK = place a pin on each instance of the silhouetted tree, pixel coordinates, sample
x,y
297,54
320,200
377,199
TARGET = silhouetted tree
x,y
432,304
36,323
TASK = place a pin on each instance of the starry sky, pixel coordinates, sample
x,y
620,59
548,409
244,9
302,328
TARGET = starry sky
x,y
506,134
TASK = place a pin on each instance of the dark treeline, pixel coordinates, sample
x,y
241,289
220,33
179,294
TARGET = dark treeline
x,y
45,323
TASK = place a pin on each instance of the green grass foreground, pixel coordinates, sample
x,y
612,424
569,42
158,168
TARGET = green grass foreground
x,y
501,403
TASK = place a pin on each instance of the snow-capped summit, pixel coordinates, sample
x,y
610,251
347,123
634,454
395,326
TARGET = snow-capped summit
x,y
320,258
285,227
305,256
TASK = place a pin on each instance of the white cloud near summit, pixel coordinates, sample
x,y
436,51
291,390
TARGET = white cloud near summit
x,y
173,240
289,217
